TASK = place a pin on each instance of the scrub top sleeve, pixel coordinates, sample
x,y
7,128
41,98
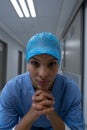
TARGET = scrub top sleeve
x,y
74,117
8,115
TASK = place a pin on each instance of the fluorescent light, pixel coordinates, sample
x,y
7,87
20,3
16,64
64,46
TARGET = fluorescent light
x,y
31,7
24,8
17,8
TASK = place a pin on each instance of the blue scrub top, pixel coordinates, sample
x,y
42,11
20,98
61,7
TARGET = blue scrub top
x,y
16,100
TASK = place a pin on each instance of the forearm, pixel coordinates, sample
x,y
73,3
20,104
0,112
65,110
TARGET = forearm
x,y
56,121
26,122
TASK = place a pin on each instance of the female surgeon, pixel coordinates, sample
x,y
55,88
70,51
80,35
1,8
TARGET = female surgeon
x,y
41,99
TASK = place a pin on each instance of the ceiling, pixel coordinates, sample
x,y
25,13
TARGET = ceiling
x,y
52,16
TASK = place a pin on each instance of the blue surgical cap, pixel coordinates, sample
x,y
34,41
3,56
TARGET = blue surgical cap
x,y
43,43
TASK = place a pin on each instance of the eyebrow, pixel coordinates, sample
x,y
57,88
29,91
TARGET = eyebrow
x,y
48,60
52,59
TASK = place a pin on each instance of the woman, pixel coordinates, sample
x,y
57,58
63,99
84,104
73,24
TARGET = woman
x,y
41,98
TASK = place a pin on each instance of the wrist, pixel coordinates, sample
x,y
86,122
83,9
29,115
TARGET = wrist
x,y
51,115
33,114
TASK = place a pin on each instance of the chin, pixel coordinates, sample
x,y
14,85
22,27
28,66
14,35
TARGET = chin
x,y
44,88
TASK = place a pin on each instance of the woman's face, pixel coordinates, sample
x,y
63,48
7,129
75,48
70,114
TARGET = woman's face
x,y
43,69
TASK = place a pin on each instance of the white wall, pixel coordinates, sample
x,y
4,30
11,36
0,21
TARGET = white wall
x,y
12,54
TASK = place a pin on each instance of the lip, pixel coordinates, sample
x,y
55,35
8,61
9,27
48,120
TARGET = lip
x,y
43,83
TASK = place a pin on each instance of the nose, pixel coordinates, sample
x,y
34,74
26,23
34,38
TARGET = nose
x,y
43,72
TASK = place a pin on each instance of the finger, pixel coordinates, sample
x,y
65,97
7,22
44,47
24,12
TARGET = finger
x,y
38,107
47,94
47,103
46,110
41,95
43,104
42,110
44,93
38,98
38,92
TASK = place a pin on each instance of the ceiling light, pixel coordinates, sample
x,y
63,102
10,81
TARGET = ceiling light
x,y
21,8
17,8
24,8
31,7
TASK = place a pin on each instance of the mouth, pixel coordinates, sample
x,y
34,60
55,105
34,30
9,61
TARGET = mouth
x,y
43,83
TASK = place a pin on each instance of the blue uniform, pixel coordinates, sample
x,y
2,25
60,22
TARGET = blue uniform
x,y
16,100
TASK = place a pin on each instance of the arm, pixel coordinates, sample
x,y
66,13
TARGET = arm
x,y
8,116
74,117
27,121
56,121
37,109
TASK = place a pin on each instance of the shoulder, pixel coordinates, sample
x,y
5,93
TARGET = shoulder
x,y
16,84
68,85
68,91
19,79
65,80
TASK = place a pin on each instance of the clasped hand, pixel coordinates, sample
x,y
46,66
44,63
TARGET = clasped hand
x,y
42,103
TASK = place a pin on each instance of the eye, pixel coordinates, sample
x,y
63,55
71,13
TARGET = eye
x,y
34,63
52,64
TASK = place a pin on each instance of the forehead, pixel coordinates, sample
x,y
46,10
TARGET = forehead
x,y
44,56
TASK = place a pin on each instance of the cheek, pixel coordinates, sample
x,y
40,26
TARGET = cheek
x,y
32,70
54,71
52,75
